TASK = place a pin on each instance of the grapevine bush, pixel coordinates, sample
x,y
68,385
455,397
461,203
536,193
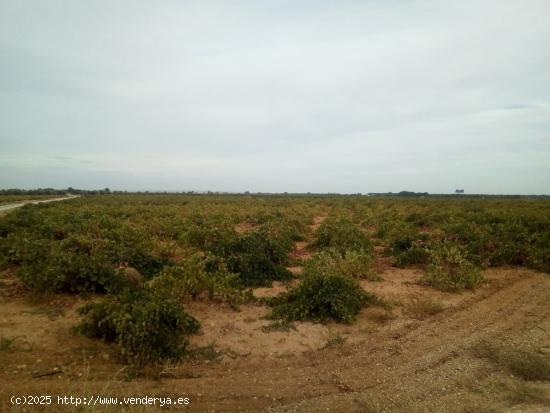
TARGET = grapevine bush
x,y
321,297
342,235
450,270
355,264
146,327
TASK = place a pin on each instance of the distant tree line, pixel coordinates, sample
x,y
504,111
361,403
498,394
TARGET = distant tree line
x,y
38,191
52,191
106,191
402,193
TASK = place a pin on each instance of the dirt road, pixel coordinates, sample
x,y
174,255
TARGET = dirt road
x,y
8,207
14,205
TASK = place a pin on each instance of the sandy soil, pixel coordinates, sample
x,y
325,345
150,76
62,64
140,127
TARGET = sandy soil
x,y
383,362
301,249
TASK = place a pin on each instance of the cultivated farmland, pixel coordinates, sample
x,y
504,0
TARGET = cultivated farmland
x,y
280,303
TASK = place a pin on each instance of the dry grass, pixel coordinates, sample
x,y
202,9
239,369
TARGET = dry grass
x,y
50,312
527,364
279,325
381,315
206,353
424,308
522,393
7,343
335,340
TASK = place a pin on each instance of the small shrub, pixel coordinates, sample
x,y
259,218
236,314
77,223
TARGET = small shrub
x,y
209,237
322,297
147,327
355,264
417,219
123,244
406,244
341,235
402,241
539,257
286,230
416,254
450,270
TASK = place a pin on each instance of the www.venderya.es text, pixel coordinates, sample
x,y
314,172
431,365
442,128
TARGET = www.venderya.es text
x,y
95,400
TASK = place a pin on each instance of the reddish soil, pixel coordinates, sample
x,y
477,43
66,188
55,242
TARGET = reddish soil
x,y
302,250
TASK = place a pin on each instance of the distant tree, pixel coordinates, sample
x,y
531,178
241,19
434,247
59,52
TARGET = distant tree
x,y
409,193
459,191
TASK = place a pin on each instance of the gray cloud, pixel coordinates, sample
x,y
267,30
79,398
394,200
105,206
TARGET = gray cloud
x,y
350,96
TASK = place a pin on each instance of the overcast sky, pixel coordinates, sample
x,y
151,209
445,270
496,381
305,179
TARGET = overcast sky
x,y
320,96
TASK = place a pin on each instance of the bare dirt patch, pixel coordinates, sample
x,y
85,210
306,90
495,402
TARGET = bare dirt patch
x,y
244,227
277,288
317,221
296,270
302,250
247,333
